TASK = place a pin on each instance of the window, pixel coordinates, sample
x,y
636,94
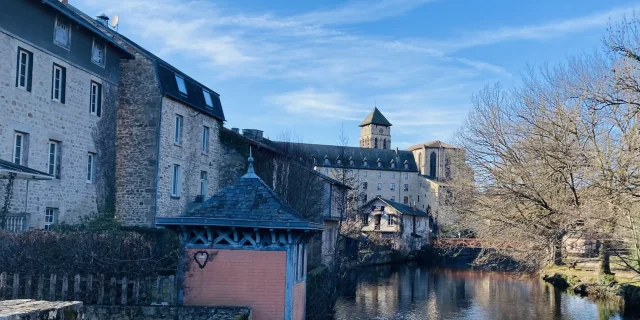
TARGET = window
x,y
393,165
364,186
365,219
203,183
19,148
406,176
393,174
351,162
62,34
419,199
406,187
379,186
95,106
393,198
379,174
207,98
182,87
50,217
326,161
177,133
379,164
175,182
390,220
432,165
205,139
54,159
58,83
392,186
375,143
384,144
350,173
365,163
25,66
365,173
91,160
406,200
97,53
406,166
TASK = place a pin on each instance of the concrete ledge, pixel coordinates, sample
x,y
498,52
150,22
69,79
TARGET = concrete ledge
x,y
36,310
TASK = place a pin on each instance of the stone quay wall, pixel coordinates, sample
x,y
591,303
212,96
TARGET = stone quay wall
x,y
162,312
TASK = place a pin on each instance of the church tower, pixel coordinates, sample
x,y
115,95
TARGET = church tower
x,y
375,131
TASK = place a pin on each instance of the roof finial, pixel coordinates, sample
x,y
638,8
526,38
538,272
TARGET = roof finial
x,y
250,169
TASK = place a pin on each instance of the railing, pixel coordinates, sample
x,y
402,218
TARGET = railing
x,y
16,222
90,289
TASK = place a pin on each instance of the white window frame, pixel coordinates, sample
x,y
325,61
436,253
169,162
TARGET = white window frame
x,y
181,84
406,176
98,48
379,186
365,173
59,87
208,100
91,167
18,151
393,198
65,28
390,220
205,139
49,217
379,174
175,181
392,186
52,168
203,183
23,54
95,98
406,187
177,130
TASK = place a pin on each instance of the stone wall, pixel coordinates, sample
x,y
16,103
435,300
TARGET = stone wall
x,y
188,155
42,120
137,143
161,312
36,310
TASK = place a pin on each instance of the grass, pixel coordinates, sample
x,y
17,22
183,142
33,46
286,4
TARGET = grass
x,y
586,271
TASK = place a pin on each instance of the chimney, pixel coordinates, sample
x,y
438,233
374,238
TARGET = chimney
x,y
396,151
65,2
103,19
236,130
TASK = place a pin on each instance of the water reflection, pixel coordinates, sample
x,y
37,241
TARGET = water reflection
x,y
412,292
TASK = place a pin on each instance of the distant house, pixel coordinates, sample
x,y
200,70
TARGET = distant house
x,y
406,227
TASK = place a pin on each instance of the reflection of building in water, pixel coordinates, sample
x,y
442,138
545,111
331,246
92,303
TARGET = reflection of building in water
x,y
384,295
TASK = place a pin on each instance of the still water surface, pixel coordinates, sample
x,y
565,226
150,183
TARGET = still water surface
x,y
413,292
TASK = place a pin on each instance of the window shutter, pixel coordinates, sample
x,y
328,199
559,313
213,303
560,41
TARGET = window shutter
x,y
18,68
99,107
63,84
29,76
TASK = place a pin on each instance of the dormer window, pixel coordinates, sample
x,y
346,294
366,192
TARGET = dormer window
x,y
182,87
326,161
313,159
406,165
365,163
62,34
97,53
393,164
207,98
379,163
339,161
351,162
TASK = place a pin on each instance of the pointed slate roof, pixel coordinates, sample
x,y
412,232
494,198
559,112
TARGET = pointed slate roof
x,y
247,203
375,117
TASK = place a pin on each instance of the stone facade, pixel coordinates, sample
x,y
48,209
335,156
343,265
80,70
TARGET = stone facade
x,y
36,310
188,155
138,123
407,228
42,120
375,136
162,312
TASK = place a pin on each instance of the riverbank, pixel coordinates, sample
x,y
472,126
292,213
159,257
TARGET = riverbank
x,y
583,279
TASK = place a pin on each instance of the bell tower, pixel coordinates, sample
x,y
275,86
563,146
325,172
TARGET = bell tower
x,y
375,131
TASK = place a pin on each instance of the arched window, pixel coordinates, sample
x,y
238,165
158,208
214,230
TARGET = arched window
x,y
384,143
365,163
432,164
375,143
379,163
393,165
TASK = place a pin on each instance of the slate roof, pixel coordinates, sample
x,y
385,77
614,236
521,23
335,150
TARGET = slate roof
x,y
320,152
21,172
402,208
432,144
165,73
375,117
74,15
247,203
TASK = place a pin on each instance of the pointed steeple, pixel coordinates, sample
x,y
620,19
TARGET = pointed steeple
x,y
375,117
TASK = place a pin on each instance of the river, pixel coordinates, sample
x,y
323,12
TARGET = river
x,y
413,292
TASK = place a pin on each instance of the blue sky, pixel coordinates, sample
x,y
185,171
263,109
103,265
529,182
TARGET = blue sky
x,y
310,68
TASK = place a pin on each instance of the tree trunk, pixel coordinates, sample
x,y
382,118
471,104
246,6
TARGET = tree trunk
x,y
605,267
557,251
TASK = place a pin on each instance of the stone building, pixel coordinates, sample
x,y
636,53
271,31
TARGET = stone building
x,y
167,135
405,227
59,78
415,177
